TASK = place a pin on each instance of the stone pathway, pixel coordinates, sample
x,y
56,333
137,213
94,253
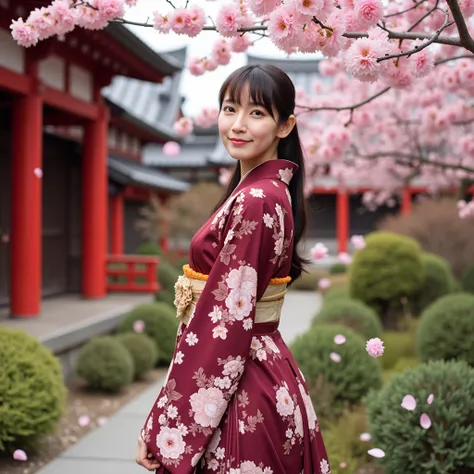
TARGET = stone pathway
x,y
111,448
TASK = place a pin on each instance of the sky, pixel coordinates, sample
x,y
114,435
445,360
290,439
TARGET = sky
x,y
199,91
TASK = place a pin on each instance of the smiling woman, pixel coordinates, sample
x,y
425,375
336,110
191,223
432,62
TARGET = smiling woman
x,y
234,400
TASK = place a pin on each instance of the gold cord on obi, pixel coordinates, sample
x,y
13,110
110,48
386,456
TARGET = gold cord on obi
x,y
189,287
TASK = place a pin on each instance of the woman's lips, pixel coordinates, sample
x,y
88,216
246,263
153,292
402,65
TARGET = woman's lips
x,y
238,142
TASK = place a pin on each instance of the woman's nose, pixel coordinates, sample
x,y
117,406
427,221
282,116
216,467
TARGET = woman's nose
x,y
239,124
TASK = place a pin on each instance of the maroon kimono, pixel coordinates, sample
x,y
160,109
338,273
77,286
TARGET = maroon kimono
x,y
234,400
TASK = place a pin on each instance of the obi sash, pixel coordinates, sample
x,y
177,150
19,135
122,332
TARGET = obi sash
x,y
190,285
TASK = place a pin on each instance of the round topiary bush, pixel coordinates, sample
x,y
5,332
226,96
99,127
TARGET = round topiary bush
x,y
336,294
143,350
105,364
338,268
351,313
32,391
167,275
446,329
467,280
444,448
387,269
352,377
438,281
149,248
160,324
165,296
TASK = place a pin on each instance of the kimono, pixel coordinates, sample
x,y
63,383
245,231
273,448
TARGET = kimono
x,y
234,400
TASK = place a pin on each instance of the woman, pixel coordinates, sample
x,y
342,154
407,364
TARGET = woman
x,y
234,400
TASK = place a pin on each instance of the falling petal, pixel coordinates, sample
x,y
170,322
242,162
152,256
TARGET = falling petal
x,y
38,172
342,465
339,339
430,399
335,357
20,455
376,453
102,420
83,420
138,326
425,421
409,402
324,283
365,437
171,149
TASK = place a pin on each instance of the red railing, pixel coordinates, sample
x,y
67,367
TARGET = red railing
x,y
132,273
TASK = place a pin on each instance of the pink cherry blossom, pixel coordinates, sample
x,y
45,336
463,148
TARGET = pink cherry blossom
x,y
221,52
24,34
361,59
240,44
263,7
102,420
324,283
425,421
111,9
309,7
368,12
319,251
139,326
197,20
339,339
408,402
227,20
342,464
180,21
83,420
38,172
430,399
183,127
376,453
161,22
375,347
335,357
196,66
365,437
345,258
20,455
358,241
171,149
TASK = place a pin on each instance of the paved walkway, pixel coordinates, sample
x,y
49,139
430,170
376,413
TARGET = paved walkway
x,y
111,448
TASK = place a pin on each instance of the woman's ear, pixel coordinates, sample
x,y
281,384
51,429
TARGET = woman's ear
x,y
285,128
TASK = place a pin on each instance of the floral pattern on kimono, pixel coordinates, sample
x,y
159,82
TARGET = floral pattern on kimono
x,y
207,407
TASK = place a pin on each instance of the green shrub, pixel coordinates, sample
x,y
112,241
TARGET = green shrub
x,y
105,364
352,377
160,324
165,296
32,392
467,280
336,294
387,269
338,268
351,313
438,281
343,444
180,263
446,447
446,329
149,248
397,345
143,351
405,363
167,275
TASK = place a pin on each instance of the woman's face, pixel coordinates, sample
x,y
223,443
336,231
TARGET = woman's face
x,y
248,131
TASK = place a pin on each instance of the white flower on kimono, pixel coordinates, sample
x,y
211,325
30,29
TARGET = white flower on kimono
x,y
271,344
192,339
261,354
267,470
216,314
241,427
229,236
179,358
255,344
234,367
324,466
183,429
170,442
298,422
279,246
239,303
257,192
308,404
286,175
249,467
289,433
162,401
222,383
244,277
285,405
172,412
208,405
220,453
213,464
149,424
268,220
219,331
248,324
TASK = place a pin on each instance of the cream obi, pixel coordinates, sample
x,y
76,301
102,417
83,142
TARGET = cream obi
x,y
189,287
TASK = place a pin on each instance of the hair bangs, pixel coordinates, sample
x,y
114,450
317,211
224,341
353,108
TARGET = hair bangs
x,y
255,82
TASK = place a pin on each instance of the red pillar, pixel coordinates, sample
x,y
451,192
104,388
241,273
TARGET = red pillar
x,y
26,202
406,201
117,224
342,216
94,206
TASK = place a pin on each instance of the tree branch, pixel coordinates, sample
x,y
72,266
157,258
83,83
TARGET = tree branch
x,y
464,35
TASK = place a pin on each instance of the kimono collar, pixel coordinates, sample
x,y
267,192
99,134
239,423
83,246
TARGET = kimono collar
x,y
279,170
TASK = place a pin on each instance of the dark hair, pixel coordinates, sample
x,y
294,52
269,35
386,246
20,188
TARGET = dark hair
x,y
271,88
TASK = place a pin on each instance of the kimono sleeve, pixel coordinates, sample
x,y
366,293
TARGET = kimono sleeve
x,y
211,354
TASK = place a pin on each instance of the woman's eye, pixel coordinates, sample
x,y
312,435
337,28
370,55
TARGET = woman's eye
x,y
228,108
257,112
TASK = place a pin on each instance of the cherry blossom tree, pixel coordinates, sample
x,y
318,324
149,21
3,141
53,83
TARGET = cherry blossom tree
x,y
397,102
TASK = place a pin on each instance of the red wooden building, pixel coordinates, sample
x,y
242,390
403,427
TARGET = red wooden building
x,y
71,175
